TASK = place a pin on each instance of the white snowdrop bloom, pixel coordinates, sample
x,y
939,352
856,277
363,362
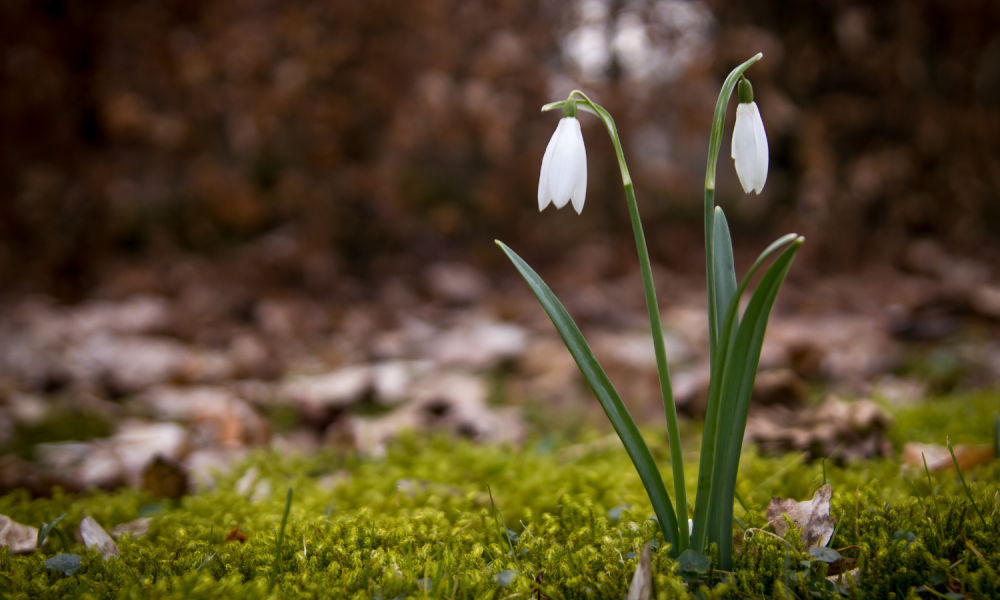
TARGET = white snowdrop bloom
x,y
564,167
750,147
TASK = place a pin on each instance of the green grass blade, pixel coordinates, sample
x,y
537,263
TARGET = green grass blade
x,y
278,566
965,486
737,385
608,397
708,441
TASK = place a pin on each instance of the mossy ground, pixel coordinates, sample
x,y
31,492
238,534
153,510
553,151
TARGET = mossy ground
x,y
420,523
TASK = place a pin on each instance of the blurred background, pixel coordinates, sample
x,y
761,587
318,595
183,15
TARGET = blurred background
x,y
249,222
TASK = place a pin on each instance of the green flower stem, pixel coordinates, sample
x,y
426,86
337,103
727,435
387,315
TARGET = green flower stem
x,y
709,435
666,389
714,145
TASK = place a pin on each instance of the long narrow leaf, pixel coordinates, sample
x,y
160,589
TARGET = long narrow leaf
x,y
737,385
723,395
725,269
606,394
708,462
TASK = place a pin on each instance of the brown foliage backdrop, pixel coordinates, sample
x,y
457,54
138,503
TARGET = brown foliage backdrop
x,y
376,129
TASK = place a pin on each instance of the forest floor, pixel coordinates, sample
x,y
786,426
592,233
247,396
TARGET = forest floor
x,y
419,419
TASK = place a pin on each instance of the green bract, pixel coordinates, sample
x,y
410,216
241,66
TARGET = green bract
x,y
735,343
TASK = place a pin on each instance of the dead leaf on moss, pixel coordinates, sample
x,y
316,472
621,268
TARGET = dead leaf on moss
x,y
17,537
833,429
812,516
136,528
939,459
642,581
234,535
165,478
94,537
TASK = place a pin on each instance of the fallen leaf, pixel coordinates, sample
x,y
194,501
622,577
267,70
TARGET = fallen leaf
x,y
107,462
17,537
94,536
234,535
812,516
939,459
642,581
834,429
136,528
165,478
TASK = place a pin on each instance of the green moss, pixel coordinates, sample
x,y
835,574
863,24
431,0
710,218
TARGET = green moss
x,y
965,418
419,523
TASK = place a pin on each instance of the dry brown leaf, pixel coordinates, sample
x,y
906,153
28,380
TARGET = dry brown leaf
x,y
234,535
642,581
165,478
94,536
834,429
938,457
17,537
812,516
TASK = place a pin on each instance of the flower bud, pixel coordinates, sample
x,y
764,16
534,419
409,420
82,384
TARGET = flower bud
x,y
564,167
749,141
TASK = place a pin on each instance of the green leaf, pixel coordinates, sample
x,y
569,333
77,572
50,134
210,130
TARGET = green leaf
x,y
824,554
724,269
692,564
46,529
608,397
734,400
67,564
708,464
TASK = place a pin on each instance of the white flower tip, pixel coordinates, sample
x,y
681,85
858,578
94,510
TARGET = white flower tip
x,y
564,167
749,150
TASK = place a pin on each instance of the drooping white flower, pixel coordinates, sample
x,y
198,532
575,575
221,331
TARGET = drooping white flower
x,y
750,147
564,167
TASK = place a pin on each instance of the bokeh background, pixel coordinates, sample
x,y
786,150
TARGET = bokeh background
x,y
286,211
384,131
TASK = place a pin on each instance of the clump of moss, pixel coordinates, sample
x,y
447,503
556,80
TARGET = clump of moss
x,y
421,522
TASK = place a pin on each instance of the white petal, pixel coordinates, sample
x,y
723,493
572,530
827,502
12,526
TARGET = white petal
x,y
745,147
579,193
565,170
760,171
544,196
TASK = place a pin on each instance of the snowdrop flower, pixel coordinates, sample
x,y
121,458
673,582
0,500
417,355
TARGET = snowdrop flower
x,y
749,142
564,165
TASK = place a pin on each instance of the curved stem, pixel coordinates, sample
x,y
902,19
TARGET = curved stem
x,y
714,144
666,389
